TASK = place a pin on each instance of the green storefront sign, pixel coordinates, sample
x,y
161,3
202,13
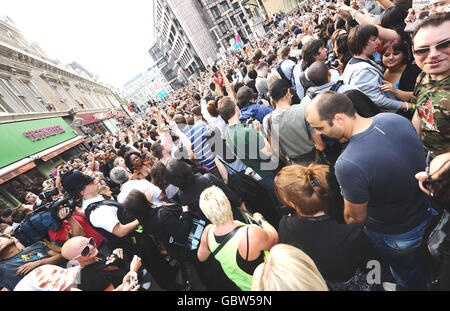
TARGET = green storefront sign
x,y
21,139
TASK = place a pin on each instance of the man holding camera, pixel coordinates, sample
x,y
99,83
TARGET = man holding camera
x,y
110,219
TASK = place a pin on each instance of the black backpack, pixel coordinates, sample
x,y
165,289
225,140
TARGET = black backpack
x,y
255,196
305,83
335,87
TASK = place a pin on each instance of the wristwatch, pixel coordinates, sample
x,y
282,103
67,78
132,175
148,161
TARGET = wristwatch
x,y
260,222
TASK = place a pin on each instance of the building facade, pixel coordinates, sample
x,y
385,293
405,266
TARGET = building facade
x,y
172,50
150,85
49,113
192,34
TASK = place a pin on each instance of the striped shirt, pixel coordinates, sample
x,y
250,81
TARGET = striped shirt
x,y
200,147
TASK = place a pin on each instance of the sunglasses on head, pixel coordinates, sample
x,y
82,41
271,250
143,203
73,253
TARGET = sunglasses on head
x,y
86,249
440,46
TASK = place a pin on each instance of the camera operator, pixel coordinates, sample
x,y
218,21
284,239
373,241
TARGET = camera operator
x,y
48,223
110,219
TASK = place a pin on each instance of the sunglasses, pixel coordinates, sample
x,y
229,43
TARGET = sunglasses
x,y
85,251
440,46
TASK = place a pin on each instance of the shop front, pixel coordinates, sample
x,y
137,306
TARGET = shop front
x,y
100,123
30,152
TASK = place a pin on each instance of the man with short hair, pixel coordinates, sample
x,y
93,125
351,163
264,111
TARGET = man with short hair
x,y
364,73
286,128
320,75
431,48
199,145
100,274
33,199
247,142
376,174
250,109
285,64
261,81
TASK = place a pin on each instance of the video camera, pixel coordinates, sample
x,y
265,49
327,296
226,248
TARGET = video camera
x,y
47,195
36,224
332,61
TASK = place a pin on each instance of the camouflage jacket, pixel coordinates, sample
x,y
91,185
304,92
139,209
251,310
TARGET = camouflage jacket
x,y
432,99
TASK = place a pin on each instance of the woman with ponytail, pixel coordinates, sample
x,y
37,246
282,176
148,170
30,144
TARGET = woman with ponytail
x,y
340,251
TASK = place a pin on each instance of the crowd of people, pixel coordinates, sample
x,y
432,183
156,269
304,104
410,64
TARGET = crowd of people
x,y
291,164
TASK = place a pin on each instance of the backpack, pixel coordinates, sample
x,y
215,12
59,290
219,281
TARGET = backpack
x,y
254,195
295,98
335,87
305,83
35,227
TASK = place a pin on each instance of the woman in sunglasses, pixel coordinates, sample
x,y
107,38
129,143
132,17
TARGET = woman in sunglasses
x,y
97,274
435,182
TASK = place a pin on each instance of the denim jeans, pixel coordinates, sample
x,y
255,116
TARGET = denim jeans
x,y
405,254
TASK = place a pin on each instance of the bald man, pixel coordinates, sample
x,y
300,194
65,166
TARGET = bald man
x,y
97,274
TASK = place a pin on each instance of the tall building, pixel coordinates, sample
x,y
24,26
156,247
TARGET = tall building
x,y
147,86
173,51
192,34
49,113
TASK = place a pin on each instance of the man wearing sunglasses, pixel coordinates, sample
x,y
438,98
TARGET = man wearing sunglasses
x,y
99,274
431,48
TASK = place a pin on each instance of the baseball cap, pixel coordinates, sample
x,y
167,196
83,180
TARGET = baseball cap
x,y
48,278
75,181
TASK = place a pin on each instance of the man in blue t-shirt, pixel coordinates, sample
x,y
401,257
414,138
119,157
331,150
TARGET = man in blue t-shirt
x,y
376,174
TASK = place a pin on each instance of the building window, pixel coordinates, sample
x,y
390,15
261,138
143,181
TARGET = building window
x,y
29,85
215,12
233,20
225,6
21,99
223,27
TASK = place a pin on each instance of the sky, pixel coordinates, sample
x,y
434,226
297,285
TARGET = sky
x,y
109,38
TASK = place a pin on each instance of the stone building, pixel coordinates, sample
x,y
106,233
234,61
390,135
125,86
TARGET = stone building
x,y
49,113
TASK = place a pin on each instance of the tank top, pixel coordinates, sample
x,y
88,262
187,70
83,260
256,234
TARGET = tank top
x,y
227,257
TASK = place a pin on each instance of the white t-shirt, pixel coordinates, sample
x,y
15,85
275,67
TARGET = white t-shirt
x,y
105,218
141,185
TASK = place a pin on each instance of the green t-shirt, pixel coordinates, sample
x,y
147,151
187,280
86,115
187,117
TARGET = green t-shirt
x,y
247,144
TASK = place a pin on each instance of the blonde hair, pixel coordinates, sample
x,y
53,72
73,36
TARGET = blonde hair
x,y
215,205
287,268
272,77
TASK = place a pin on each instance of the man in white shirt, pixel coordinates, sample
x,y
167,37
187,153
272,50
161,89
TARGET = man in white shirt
x,y
119,176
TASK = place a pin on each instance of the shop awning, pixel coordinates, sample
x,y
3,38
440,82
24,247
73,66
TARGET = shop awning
x,y
17,170
62,149
95,116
